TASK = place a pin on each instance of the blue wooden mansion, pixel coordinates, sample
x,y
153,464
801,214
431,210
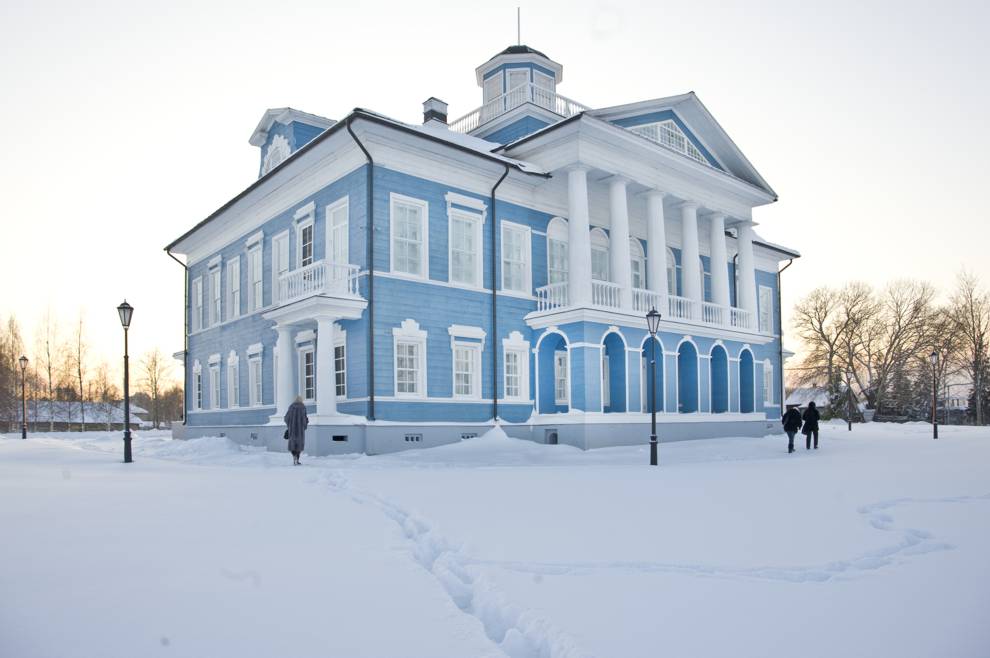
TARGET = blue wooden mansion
x,y
416,283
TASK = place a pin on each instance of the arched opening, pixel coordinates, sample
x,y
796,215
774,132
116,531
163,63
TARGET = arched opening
x,y
637,263
613,374
719,380
554,383
672,269
687,378
746,382
599,255
652,349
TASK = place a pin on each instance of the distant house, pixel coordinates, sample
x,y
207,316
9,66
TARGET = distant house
x,y
803,395
66,415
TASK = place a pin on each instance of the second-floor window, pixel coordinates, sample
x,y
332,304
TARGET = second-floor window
x,y
409,236
215,296
465,249
766,309
306,245
197,304
557,263
515,258
637,263
256,282
254,380
599,255
234,288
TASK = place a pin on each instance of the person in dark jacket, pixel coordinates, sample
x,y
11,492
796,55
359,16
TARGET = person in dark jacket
x,y
792,425
811,418
296,422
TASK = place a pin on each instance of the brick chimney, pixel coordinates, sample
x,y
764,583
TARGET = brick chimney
x,y
434,109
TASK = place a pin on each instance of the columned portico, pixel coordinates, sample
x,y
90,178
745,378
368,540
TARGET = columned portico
x,y
619,255
656,244
691,256
326,388
578,237
285,388
747,270
720,269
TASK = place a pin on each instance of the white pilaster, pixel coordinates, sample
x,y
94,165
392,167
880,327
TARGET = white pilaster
x,y
326,381
690,255
720,264
578,238
619,256
656,249
285,390
746,278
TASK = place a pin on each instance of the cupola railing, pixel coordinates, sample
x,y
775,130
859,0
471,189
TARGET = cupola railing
x,y
524,93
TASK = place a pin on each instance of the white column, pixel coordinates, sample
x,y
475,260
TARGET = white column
x,y
326,381
285,391
746,278
720,263
619,257
656,250
578,238
690,255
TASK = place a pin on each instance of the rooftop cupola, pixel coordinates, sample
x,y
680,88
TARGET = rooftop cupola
x,y
516,67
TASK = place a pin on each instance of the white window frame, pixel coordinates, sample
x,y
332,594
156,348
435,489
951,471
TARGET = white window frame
x,y
234,288
515,73
668,134
300,232
544,81
396,199
515,344
557,231
409,333
473,352
765,307
637,256
215,385
256,277
768,387
606,381
600,244
197,402
340,207
279,252
705,277
340,373
255,375
307,391
561,357
216,295
197,305
526,235
488,85
475,221
672,270
233,380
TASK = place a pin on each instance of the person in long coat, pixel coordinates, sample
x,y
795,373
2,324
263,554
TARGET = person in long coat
x,y
296,422
811,418
792,425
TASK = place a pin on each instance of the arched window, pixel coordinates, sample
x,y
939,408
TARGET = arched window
x,y
706,281
557,251
599,255
277,152
671,272
637,263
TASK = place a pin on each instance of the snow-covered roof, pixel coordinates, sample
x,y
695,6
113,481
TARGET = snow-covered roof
x,y
285,116
802,396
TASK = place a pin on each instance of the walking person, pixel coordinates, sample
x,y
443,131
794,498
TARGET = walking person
x,y
792,425
811,418
296,422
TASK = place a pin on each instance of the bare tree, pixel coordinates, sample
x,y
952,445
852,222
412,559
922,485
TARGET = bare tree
x,y
970,310
47,348
154,370
79,350
11,349
105,394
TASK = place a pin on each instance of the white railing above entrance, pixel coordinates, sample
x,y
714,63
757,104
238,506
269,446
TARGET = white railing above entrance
x,y
319,278
712,314
551,296
682,308
740,318
524,93
605,293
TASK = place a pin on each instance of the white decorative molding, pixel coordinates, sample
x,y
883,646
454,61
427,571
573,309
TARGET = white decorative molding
x,y
465,201
254,238
466,331
306,336
232,358
305,211
215,359
255,349
214,262
409,328
278,151
197,367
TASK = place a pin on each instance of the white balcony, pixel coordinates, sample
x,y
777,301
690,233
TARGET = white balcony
x,y
319,278
682,308
525,93
551,296
604,294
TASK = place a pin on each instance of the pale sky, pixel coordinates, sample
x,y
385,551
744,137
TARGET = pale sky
x,y
128,123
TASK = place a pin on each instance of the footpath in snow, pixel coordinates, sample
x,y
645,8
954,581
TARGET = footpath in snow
x,y
874,545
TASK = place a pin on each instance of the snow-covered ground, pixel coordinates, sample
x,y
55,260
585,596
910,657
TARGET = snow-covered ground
x,y
878,544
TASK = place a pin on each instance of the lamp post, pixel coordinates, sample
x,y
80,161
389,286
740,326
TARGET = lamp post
x,y
23,361
934,359
849,391
125,311
653,324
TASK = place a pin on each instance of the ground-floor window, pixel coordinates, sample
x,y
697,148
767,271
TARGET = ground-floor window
x,y
768,396
407,365
560,378
467,362
254,380
606,381
233,381
198,388
513,370
214,386
307,373
340,369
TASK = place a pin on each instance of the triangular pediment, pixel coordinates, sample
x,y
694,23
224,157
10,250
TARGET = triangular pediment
x,y
683,124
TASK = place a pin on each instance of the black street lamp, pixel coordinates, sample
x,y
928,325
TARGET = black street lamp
x,y
653,324
934,359
24,423
126,311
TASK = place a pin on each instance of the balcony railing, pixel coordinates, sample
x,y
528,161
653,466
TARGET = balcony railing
x,y
740,318
682,308
604,293
319,278
551,296
712,314
644,300
525,93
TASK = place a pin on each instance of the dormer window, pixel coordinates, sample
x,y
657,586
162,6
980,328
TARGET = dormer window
x,y
669,134
277,152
